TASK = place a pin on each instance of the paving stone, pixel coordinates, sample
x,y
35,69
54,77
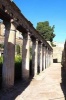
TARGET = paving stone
x,y
46,86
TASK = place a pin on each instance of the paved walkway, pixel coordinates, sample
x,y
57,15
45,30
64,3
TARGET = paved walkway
x,y
46,86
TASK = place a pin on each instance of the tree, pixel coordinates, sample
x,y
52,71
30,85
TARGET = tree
x,y
46,30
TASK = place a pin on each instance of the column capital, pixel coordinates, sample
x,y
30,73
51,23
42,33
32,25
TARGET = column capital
x,y
46,47
26,34
40,42
33,39
9,26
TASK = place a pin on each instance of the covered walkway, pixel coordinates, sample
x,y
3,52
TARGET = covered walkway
x,y
48,85
42,51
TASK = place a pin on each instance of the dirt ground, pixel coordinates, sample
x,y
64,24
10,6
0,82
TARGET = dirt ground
x,y
49,85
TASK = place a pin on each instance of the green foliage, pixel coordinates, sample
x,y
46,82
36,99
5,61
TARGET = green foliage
x,y
18,64
53,44
1,60
18,59
46,30
18,68
1,45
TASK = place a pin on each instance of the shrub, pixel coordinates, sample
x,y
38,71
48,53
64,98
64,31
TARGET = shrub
x,y
1,45
1,60
17,69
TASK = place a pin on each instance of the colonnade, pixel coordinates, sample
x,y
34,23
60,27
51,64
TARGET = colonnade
x,y
41,55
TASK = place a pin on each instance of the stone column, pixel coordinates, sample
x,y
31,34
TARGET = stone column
x,y
39,57
47,57
43,58
25,55
51,57
34,57
9,55
46,60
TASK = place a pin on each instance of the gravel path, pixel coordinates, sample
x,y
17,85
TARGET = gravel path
x,y
46,86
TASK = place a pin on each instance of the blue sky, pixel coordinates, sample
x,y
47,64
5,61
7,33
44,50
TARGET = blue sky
x,y
53,11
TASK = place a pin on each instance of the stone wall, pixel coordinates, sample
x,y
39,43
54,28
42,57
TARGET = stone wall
x,y
64,56
57,52
2,29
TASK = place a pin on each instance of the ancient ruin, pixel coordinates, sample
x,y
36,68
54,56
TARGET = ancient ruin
x,y
41,51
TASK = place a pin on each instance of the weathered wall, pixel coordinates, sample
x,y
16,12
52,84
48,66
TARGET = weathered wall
x,y
64,57
57,52
2,29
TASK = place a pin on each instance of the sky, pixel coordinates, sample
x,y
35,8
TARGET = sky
x,y
53,11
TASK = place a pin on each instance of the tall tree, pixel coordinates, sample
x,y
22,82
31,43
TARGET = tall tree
x,y
46,30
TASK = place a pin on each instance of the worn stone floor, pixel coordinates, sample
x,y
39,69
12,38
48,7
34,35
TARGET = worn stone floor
x,y
49,85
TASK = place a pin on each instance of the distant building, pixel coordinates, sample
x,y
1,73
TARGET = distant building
x,y
57,51
2,31
2,34
59,44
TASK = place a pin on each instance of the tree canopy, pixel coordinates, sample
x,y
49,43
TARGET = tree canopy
x,y
46,30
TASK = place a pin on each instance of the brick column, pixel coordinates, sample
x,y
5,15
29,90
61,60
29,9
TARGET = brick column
x,y
39,57
34,56
9,55
25,55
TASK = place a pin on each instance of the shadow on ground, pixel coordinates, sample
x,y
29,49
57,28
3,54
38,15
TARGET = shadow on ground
x,y
11,94
63,81
19,86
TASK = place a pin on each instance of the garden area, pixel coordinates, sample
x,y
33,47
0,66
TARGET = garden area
x,y
17,68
